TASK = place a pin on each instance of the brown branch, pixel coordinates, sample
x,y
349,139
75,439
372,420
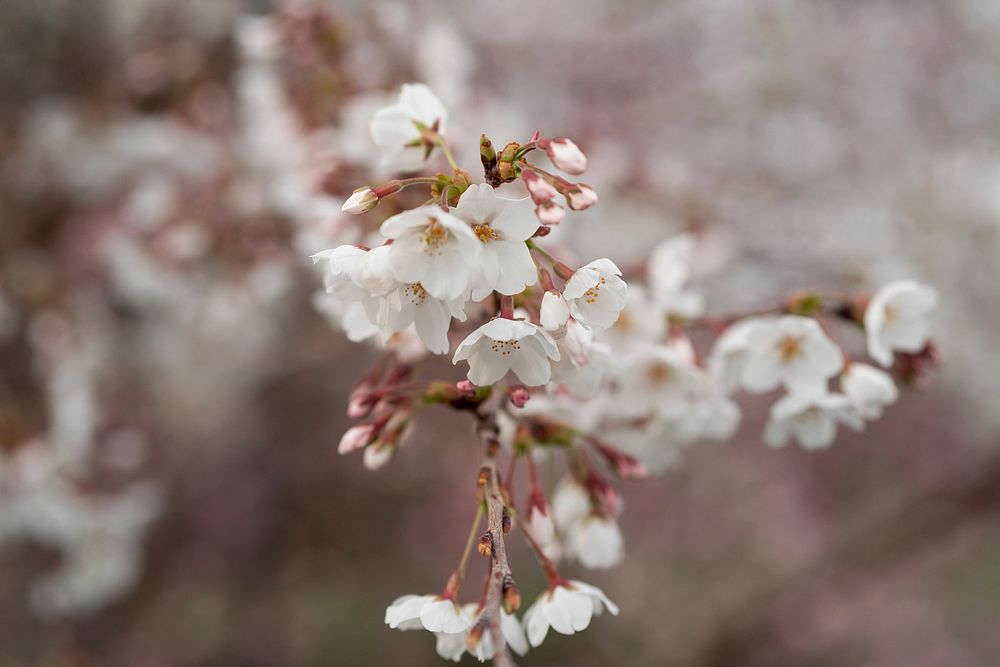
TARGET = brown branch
x,y
501,582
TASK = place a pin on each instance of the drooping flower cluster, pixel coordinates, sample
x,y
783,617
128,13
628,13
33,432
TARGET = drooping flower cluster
x,y
570,361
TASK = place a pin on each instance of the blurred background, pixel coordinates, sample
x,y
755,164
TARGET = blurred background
x,y
171,400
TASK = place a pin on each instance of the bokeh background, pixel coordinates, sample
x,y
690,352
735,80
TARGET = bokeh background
x,y
166,168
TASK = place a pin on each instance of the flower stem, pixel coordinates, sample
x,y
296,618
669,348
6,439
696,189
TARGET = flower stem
x,y
473,535
439,140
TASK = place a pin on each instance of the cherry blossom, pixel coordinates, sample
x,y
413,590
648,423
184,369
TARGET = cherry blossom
x,y
791,350
567,608
503,345
565,155
435,249
810,418
596,293
896,319
397,130
361,200
868,389
669,272
411,304
502,225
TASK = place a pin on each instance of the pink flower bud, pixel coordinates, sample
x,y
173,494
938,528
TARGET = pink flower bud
x,y
466,387
549,213
378,455
360,405
566,155
519,396
356,437
581,197
361,201
538,187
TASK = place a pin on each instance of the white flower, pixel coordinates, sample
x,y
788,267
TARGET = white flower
x,y
554,311
896,319
810,418
501,345
868,389
513,634
729,353
596,294
582,379
658,378
451,646
567,609
441,615
669,272
566,155
641,321
377,455
411,304
570,503
404,612
503,226
790,350
361,200
396,129
435,249
356,437
596,542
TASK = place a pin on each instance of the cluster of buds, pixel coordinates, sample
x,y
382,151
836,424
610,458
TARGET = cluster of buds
x,y
571,362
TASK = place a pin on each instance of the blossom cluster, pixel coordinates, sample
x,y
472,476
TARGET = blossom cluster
x,y
572,361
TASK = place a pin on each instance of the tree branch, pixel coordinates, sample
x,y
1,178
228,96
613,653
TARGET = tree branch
x,y
497,521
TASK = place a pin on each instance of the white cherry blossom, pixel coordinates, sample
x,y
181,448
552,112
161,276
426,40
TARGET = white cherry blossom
x,y
669,272
868,389
503,345
730,352
361,200
503,226
810,418
570,503
435,249
792,351
643,320
659,378
595,541
513,634
896,319
404,612
567,608
596,294
396,130
411,304
554,311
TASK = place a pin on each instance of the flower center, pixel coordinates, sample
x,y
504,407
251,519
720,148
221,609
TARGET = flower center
x,y
505,347
434,237
486,233
415,293
590,296
658,373
789,347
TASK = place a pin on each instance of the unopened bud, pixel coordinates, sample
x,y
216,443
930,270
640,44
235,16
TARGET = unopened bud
x,y
511,595
361,201
507,171
505,521
565,155
466,388
549,213
484,476
519,396
485,545
356,437
487,153
509,151
360,405
377,455
580,197
539,189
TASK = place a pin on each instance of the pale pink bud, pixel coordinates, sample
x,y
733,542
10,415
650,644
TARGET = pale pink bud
x,y
361,201
360,405
539,189
378,455
549,213
566,155
580,197
466,387
519,396
356,437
